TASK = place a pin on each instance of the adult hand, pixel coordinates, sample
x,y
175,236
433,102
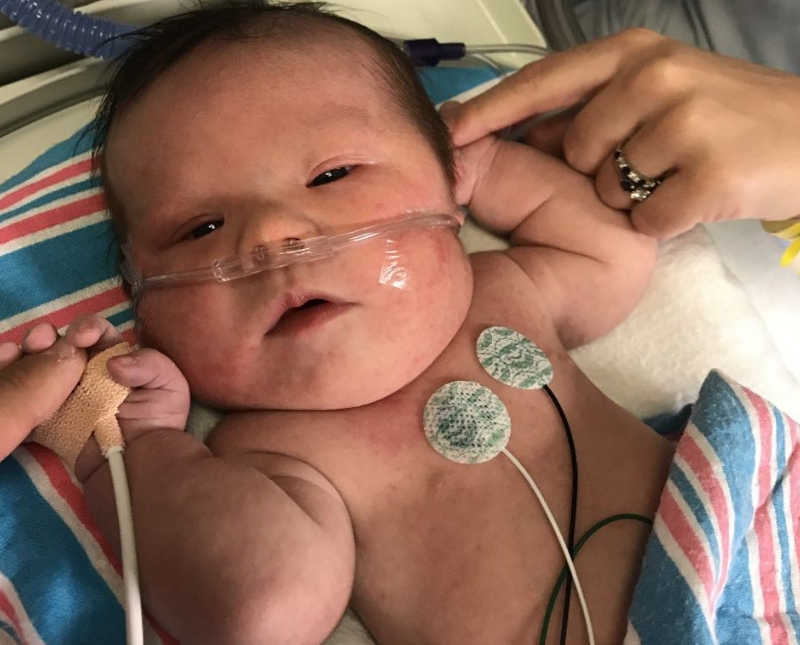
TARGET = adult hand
x,y
37,376
727,132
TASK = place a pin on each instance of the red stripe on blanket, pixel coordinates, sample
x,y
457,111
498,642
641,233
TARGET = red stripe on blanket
x,y
686,538
166,638
764,524
712,480
57,473
61,317
793,473
8,609
52,217
62,174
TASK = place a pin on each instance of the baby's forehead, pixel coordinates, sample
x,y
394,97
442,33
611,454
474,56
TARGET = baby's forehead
x,y
335,66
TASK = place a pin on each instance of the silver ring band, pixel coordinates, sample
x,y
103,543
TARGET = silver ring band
x,y
638,185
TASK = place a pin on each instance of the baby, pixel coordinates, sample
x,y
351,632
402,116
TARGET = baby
x,y
234,128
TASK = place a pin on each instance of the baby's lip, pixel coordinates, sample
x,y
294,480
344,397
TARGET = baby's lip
x,y
296,300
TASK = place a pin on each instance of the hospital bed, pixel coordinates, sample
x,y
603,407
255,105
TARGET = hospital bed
x,y
718,298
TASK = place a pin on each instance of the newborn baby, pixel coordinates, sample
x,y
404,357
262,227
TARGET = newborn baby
x,y
228,130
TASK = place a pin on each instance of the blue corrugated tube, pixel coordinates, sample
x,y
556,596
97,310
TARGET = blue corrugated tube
x,y
66,28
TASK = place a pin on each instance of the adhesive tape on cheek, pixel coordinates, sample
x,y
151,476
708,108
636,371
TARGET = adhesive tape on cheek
x,y
393,271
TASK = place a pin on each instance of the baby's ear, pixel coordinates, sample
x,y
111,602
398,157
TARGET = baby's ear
x,y
472,165
471,160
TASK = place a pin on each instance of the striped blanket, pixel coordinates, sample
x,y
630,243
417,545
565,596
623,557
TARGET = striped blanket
x,y
59,581
58,258
721,565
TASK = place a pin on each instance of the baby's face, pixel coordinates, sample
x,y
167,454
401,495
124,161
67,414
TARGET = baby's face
x,y
240,144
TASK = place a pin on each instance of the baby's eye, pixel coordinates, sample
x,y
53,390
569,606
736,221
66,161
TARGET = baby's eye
x,y
205,228
330,175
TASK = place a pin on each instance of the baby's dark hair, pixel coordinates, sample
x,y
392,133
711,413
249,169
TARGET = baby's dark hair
x,y
159,46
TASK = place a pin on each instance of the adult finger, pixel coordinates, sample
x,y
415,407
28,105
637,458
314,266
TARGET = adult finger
x,y
39,338
620,109
676,206
92,332
558,81
664,144
9,353
32,388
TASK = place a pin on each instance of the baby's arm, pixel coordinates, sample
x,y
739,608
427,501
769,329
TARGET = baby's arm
x,y
247,549
585,259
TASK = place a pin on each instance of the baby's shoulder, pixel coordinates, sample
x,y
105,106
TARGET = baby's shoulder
x,y
505,293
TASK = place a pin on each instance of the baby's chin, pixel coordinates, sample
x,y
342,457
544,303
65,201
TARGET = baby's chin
x,y
338,393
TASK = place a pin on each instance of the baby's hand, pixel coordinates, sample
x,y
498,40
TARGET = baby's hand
x,y
37,376
159,398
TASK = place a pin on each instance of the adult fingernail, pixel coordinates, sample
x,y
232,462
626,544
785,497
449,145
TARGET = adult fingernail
x,y
124,361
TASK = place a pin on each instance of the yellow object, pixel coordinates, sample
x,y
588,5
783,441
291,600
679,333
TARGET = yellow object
x,y
788,229
91,408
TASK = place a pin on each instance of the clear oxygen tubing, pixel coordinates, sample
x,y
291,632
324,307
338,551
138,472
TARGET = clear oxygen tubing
x,y
67,28
283,253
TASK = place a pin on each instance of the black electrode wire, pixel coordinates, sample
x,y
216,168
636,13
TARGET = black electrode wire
x,y
564,575
573,507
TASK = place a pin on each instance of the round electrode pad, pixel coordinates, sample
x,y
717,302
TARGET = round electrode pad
x,y
513,359
465,422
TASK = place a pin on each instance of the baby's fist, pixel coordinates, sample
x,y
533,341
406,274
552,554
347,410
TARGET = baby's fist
x,y
159,397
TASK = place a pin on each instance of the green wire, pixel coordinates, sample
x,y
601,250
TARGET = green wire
x,y
565,570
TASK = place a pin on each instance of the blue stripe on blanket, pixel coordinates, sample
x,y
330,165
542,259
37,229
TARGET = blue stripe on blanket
x,y
75,260
53,195
52,575
671,622
124,316
685,596
698,508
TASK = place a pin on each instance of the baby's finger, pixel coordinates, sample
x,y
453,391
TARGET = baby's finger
x,y
163,408
9,353
39,338
92,331
147,368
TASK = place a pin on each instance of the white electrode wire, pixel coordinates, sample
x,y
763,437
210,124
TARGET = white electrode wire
x,y
134,629
570,564
510,48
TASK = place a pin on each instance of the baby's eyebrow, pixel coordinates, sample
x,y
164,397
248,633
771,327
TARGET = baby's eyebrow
x,y
341,112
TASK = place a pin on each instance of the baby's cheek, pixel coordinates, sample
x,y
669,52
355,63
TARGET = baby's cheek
x,y
189,327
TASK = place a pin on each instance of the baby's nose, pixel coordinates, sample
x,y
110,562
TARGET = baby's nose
x,y
270,228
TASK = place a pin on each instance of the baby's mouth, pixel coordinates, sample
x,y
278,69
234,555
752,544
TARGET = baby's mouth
x,y
307,313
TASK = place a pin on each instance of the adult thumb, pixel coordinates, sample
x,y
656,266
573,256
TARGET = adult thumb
x,y
33,388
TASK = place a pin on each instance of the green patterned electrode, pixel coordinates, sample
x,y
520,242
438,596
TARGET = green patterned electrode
x,y
513,359
466,422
